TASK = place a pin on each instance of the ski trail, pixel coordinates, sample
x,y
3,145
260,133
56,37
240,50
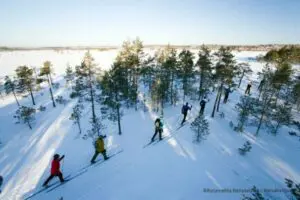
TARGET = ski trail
x,y
35,157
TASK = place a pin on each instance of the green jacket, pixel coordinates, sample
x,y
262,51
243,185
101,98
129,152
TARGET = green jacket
x,y
99,145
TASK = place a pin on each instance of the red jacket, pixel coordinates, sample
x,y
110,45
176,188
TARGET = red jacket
x,y
55,167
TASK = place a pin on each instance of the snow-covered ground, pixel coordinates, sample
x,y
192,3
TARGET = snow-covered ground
x,y
175,168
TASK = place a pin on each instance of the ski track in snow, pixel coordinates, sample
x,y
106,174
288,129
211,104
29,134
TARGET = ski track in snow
x,y
174,168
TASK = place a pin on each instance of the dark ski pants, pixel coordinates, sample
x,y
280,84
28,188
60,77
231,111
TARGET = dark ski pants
x,y
184,118
60,176
97,153
225,99
247,91
157,130
202,110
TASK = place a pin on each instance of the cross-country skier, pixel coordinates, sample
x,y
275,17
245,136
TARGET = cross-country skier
x,y
99,148
202,105
55,169
247,91
184,110
158,129
226,94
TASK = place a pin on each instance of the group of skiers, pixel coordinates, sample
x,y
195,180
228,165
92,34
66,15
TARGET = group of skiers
x,y
99,143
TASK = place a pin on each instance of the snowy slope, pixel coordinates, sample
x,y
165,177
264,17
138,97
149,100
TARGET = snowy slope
x,y
175,168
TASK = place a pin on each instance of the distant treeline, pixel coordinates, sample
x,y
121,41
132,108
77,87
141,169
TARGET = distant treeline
x,y
265,47
284,54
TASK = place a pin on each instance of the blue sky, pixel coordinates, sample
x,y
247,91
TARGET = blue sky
x,y
109,22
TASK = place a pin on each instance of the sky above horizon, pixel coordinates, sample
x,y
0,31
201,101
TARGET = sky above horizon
x,y
109,22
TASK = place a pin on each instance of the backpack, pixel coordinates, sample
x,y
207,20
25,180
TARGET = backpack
x,y
183,110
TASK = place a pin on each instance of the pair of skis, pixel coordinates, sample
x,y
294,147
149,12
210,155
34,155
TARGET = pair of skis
x,y
163,137
69,177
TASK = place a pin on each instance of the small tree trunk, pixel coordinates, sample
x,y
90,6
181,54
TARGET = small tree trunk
x,y
92,98
51,81
172,95
30,91
29,125
200,86
79,127
215,104
220,96
51,93
241,79
119,120
16,98
260,123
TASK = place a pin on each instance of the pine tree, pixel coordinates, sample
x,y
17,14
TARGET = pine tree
x,y
69,74
245,108
255,195
77,115
282,115
25,81
86,82
96,129
294,188
225,72
26,115
205,70
186,70
113,85
242,70
10,87
46,72
201,127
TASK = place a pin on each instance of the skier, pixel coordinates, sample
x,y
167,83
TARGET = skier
x,y
247,91
1,181
158,129
55,169
226,94
202,104
99,148
184,110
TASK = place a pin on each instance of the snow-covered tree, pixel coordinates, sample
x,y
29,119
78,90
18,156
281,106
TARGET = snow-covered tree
x,y
69,74
255,195
201,127
25,80
45,73
281,115
96,129
246,148
26,115
294,188
10,87
76,115
245,108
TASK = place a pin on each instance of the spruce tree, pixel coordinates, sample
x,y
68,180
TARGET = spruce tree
x,y
205,70
255,195
76,115
69,74
246,148
281,115
26,115
245,107
186,71
46,72
294,188
10,87
201,127
26,81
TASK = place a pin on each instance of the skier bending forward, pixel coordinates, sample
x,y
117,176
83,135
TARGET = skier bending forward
x,y
158,129
99,148
55,169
